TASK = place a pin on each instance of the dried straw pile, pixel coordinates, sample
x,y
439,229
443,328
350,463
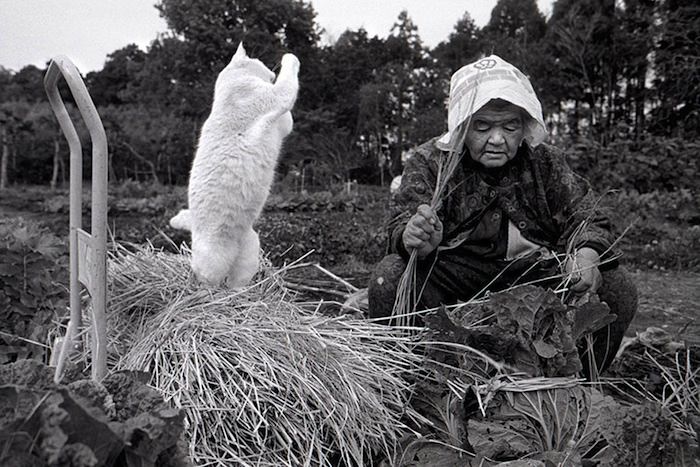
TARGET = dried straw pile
x,y
261,380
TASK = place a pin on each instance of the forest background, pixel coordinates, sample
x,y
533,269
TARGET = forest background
x,y
618,81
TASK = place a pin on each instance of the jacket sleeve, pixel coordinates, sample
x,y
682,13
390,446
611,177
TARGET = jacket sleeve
x,y
417,186
578,212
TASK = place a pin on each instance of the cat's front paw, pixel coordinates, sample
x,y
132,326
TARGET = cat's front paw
x,y
290,62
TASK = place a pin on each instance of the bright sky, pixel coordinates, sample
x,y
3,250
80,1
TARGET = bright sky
x,y
33,31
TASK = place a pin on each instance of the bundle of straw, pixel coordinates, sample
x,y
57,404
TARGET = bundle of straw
x,y
261,380
407,295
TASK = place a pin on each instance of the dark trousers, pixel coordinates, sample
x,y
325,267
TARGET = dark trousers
x,y
454,278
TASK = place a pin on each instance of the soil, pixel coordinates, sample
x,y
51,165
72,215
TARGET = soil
x,y
669,300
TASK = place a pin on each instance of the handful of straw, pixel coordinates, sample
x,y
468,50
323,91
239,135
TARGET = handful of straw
x,y
407,297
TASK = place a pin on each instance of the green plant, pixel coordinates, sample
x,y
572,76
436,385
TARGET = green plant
x,y
665,227
33,280
120,421
646,165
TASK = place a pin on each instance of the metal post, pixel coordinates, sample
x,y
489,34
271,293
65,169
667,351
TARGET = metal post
x,y
88,251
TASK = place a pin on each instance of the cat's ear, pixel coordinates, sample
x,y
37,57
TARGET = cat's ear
x,y
240,52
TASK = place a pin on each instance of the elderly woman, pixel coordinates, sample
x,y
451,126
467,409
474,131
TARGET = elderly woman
x,y
508,213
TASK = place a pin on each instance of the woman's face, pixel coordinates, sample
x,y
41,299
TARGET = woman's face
x,y
495,133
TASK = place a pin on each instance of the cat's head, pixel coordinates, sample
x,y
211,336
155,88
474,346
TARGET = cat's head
x,y
242,65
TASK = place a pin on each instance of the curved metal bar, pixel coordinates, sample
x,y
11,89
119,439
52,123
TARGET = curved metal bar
x,y
88,251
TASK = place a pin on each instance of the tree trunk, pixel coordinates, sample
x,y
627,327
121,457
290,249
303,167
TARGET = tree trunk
x,y
150,164
111,173
3,161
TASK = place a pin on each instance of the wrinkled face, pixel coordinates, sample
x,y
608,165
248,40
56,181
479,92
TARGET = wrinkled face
x,y
495,133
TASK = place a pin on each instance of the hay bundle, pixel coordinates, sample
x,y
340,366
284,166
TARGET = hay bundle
x,y
261,380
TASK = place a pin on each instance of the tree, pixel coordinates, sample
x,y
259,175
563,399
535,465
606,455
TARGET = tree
x,y
12,116
633,46
375,117
5,81
108,86
172,78
46,137
349,64
28,85
148,143
267,27
464,45
180,69
513,32
401,81
583,66
676,64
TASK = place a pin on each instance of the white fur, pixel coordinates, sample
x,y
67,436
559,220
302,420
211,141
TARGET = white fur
x,y
234,166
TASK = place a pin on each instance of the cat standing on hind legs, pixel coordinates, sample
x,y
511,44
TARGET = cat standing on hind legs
x,y
234,166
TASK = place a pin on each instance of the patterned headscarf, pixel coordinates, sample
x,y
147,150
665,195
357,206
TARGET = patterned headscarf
x,y
491,78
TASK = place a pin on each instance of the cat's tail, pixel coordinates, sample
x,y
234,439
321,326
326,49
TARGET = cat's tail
x,y
181,220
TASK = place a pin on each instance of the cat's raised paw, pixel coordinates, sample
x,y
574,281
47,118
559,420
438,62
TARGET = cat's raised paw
x,y
290,61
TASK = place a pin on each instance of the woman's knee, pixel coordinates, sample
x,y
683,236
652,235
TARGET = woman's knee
x,y
619,291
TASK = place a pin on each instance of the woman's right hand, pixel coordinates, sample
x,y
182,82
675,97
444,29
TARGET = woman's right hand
x,y
423,231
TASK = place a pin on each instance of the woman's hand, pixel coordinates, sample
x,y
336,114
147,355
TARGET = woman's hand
x,y
423,231
583,268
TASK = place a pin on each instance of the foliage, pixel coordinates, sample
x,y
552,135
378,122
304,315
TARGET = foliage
x,y
580,71
34,147
316,201
514,31
149,143
568,424
25,85
676,64
211,31
33,281
602,69
652,163
463,45
288,236
119,422
664,228
654,367
109,85
320,155
527,327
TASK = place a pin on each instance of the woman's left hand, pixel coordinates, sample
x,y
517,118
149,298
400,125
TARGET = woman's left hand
x,y
584,272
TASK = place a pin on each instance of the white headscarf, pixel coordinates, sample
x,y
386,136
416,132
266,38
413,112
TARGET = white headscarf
x,y
473,85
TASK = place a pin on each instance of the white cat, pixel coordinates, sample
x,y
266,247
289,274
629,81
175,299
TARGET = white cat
x,y
234,166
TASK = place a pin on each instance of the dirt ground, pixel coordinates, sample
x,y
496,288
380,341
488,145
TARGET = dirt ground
x,y
669,300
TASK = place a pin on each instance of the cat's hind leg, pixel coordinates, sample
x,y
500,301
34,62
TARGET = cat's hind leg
x,y
248,260
212,257
181,220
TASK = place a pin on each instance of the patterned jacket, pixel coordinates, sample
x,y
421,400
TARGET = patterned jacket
x,y
537,191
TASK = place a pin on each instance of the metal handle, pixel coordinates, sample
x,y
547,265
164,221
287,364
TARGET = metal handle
x,y
88,251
